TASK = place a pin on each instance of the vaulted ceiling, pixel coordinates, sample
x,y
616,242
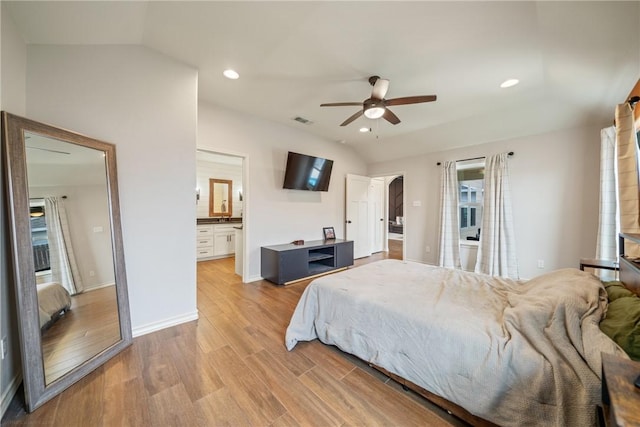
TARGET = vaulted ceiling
x,y
575,61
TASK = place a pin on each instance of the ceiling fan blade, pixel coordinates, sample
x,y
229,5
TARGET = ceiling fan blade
x,y
352,118
47,149
410,100
390,117
342,104
380,89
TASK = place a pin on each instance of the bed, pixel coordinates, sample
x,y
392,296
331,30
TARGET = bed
x,y
53,301
504,352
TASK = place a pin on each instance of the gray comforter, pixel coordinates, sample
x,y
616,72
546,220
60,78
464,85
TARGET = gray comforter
x,y
514,353
52,299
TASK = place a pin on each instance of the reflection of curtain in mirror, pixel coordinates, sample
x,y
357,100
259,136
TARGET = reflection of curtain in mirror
x,y
64,269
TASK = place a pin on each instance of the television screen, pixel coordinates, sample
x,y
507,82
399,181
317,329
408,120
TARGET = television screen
x,y
307,172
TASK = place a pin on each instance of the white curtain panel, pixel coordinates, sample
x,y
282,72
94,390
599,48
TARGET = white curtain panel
x,y
608,225
449,223
628,188
497,248
64,269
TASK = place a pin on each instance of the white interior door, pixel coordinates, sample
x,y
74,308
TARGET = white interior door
x,y
358,214
377,214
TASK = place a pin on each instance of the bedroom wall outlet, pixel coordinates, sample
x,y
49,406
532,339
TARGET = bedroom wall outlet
x,y
3,347
92,273
428,249
540,263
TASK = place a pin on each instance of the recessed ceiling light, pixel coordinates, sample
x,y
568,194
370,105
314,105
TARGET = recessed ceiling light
x,y
363,130
509,83
231,74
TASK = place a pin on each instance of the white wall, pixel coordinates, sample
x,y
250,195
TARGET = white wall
x,y
554,183
273,215
146,104
13,63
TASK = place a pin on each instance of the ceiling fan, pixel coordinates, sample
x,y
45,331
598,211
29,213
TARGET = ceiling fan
x,y
376,106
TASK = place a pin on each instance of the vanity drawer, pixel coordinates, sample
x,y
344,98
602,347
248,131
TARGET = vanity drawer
x,y
203,241
204,252
217,228
204,230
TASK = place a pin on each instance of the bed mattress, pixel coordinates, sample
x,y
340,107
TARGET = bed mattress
x,y
52,299
511,352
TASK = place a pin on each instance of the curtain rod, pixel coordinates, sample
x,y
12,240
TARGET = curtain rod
x,y
510,153
42,198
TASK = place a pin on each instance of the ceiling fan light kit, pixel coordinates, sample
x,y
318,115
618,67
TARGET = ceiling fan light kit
x,y
373,111
375,107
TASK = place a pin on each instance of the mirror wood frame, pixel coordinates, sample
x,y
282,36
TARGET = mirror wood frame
x,y
37,392
212,202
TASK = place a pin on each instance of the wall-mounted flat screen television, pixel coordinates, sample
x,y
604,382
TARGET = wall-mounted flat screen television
x,y
307,172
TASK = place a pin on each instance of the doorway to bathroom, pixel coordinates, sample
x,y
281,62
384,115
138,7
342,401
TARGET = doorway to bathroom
x,y
395,223
220,200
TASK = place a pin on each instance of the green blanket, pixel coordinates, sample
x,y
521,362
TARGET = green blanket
x,y
622,321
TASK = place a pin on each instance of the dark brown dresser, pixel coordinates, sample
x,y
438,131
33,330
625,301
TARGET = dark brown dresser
x,y
620,398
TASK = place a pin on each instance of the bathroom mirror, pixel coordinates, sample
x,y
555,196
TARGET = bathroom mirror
x,y
220,200
66,242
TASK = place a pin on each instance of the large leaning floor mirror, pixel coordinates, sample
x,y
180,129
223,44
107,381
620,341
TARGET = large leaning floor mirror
x,y
66,241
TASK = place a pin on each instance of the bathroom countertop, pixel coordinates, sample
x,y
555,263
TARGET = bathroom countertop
x,y
232,220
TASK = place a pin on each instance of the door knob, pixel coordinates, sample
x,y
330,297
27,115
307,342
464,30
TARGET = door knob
x,y
348,222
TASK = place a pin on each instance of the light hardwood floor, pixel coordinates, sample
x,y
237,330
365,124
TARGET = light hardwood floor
x,y
231,368
90,326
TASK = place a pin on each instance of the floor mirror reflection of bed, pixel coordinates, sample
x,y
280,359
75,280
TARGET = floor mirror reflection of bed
x,y
88,327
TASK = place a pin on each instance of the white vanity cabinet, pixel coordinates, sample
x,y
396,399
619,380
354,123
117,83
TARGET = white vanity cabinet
x,y
216,240
204,241
224,241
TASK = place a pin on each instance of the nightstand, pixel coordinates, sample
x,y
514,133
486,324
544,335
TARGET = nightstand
x,y
598,263
620,398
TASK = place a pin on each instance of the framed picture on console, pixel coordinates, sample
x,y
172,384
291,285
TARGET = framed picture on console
x,y
329,234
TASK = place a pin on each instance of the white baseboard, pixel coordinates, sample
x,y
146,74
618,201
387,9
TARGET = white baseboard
x,y
93,288
166,323
8,394
421,262
254,279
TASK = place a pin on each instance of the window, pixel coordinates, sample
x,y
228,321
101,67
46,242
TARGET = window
x,y
463,217
470,191
39,239
318,165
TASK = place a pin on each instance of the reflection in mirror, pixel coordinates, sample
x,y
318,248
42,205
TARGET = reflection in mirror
x,y
220,200
68,265
70,232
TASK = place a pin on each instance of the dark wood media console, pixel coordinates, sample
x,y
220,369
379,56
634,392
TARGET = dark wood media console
x,y
284,264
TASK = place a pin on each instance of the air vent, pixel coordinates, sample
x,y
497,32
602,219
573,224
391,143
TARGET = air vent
x,y
302,120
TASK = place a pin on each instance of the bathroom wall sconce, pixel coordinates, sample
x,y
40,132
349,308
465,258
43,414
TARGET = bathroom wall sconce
x,y
197,195
240,195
